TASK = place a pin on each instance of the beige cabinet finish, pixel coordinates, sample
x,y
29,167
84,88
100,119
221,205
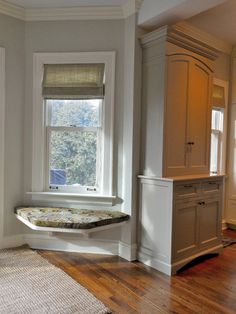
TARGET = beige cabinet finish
x,y
176,109
180,219
197,216
180,203
187,118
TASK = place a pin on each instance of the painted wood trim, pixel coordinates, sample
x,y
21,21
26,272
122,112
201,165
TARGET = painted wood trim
x,y
70,243
73,198
39,151
189,37
75,13
2,140
131,7
12,10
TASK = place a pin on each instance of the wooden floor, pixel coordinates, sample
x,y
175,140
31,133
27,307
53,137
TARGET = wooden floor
x,y
208,287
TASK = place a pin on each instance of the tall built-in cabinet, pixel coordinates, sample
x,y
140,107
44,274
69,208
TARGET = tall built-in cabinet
x,y
180,202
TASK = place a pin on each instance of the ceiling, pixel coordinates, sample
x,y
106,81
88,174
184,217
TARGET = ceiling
x,y
219,21
36,4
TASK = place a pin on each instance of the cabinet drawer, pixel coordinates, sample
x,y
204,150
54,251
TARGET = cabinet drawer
x,y
210,187
186,190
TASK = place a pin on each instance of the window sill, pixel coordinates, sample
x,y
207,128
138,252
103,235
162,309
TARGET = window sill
x,y
73,198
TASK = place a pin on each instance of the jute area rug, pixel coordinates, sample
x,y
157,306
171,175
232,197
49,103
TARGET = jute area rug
x,y
30,284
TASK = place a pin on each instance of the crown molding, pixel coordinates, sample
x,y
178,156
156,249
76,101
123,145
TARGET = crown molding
x,y
205,38
131,7
75,13
12,10
189,37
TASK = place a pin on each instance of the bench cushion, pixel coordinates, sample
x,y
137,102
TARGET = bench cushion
x,y
70,217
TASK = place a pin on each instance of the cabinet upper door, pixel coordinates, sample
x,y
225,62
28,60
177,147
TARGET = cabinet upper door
x,y
175,158
199,116
187,116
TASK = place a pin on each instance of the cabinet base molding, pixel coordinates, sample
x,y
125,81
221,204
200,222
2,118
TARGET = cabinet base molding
x,y
171,269
178,265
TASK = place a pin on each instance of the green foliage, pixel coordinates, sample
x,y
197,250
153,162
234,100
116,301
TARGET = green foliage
x,y
74,151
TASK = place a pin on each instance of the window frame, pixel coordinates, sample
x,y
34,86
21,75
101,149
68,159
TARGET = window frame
x,y
222,135
39,120
99,130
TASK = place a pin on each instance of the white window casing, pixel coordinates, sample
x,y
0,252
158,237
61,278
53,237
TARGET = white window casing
x,y
39,145
220,133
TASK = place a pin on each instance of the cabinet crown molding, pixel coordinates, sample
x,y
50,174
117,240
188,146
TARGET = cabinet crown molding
x,y
188,37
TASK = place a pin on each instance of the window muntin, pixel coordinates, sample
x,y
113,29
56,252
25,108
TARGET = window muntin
x,y
74,136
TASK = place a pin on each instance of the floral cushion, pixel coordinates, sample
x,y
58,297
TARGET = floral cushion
x,y
70,217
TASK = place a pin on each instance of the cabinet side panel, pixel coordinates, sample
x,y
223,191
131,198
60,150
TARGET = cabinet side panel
x,y
156,219
153,103
175,147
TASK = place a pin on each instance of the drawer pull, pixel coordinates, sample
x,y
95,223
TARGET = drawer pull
x,y
188,186
211,182
201,203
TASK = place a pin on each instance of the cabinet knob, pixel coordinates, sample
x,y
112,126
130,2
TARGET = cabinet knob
x,y
201,203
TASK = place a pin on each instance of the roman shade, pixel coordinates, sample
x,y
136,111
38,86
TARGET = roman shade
x,y
218,97
73,80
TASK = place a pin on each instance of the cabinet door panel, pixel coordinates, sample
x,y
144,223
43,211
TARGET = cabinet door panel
x,y
199,116
175,161
209,223
185,230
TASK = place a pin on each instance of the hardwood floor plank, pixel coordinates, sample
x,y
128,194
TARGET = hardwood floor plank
x,y
207,287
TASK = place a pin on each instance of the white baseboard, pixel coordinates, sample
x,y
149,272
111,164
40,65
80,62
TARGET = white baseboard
x,y
71,244
127,251
12,241
224,225
154,262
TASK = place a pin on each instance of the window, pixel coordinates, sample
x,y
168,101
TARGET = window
x,y
73,123
74,135
218,126
216,139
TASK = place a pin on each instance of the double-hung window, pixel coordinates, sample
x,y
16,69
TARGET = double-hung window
x,y
218,126
73,97
73,123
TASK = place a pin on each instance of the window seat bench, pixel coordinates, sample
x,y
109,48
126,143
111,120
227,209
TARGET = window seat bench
x,y
69,220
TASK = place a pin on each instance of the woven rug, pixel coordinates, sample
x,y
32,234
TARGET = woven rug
x,y
29,284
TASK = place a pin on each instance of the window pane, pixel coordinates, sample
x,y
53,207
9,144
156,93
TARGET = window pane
x,y
73,158
78,113
214,152
217,119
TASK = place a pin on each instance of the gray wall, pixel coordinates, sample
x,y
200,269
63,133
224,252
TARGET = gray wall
x,y
12,38
75,36
222,67
72,36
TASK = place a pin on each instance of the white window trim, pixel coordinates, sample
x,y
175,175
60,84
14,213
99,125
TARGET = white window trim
x,y
39,136
2,140
225,84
